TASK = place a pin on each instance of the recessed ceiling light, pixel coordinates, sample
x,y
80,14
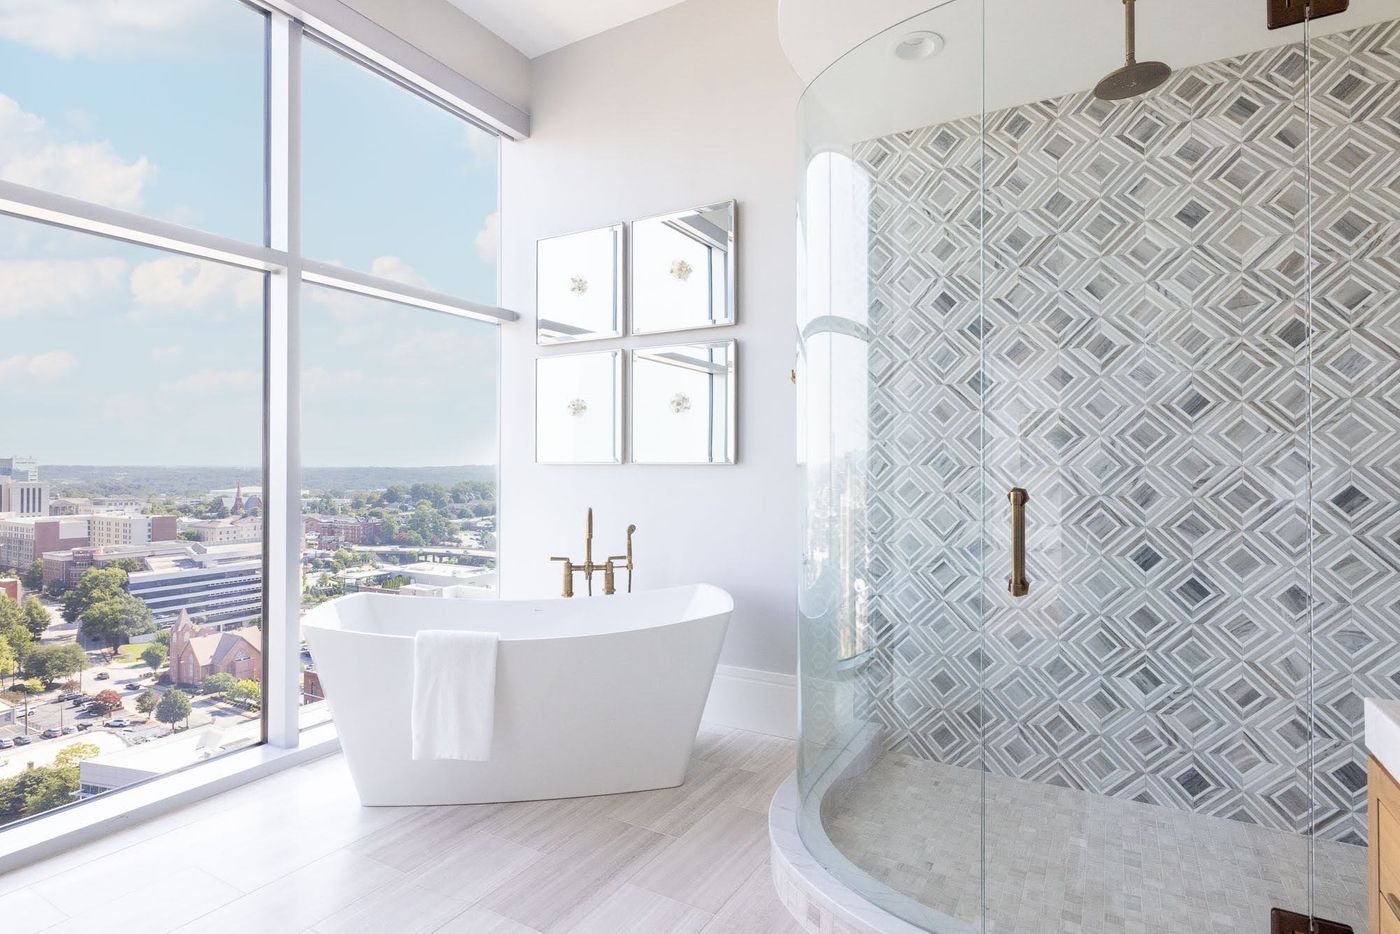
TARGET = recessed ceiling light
x,y
919,45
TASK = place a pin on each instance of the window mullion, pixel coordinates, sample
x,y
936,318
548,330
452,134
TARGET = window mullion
x,y
283,468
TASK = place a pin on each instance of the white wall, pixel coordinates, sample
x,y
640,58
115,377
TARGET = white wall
x,y
458,41
690,105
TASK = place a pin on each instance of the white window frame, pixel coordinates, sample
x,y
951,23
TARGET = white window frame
x,y
280,259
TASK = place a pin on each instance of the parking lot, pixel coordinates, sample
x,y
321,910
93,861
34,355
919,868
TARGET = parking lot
x,y
75,723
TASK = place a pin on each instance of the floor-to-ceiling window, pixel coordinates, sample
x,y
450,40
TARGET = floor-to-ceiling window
x,y
247,362
398,402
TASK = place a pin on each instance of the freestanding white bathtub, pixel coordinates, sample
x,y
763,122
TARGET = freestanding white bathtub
x,y
593,696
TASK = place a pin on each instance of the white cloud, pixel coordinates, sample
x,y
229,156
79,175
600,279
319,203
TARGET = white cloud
x,y
169,352
57,285
179,283
49,365
482,147
394,268
488,238
68,28
32,154
210,381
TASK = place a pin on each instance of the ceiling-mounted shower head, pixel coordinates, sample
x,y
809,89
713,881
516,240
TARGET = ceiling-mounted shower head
x,y
1134,77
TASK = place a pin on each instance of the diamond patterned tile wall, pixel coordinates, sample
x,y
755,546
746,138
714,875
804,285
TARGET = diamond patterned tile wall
x,y
1146,369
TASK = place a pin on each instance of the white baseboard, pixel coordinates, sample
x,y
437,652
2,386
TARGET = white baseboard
x,y
752,699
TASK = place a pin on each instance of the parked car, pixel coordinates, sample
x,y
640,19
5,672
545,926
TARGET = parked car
x,y
70,695
81,700
52,732
6,742
102,676
118,723
84,726
133,686
22,740
70,729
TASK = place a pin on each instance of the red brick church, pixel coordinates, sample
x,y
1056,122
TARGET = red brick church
x,y
196,654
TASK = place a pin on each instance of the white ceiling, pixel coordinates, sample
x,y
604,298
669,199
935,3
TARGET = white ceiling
x,y
539,26
1001,53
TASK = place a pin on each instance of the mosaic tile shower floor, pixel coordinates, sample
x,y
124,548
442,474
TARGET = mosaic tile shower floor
x,y
1061,860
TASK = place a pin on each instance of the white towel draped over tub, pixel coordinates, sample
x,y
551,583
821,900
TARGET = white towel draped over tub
x,y
454,694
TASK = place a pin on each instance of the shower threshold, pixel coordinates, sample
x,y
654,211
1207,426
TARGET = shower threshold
x,y
1059,860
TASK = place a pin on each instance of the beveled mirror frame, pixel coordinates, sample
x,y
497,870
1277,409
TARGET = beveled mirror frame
x,y
731,270
618,282
731,404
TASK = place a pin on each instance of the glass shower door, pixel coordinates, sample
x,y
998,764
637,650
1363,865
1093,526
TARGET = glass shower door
x,y
1146,697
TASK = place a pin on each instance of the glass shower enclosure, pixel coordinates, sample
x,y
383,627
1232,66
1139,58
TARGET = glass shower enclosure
x,y
1100,413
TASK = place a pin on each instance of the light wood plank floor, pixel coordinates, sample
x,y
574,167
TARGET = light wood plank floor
x,y
296,852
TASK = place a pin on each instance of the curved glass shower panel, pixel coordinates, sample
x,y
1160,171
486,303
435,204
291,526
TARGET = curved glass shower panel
x,y
1158,322
891,577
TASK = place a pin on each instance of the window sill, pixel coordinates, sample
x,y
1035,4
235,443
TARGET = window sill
x,y
30,842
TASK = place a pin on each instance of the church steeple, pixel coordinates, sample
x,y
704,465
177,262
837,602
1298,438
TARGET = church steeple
x,y
237,501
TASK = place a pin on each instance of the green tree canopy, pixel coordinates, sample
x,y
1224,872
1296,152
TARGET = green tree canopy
x,y
36,618
33,577
154,655
51,663
9,662
247,692
28,686
147,701
174,707
39,789
115,620
95,586
220,682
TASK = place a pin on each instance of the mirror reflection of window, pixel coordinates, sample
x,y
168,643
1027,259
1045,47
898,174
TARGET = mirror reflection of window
x,y
683,270
683,404
578,409
578,286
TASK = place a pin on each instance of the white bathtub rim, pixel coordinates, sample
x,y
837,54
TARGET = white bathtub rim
x,y
325,617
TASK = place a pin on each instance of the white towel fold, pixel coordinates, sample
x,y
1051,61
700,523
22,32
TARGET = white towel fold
x,y
454,694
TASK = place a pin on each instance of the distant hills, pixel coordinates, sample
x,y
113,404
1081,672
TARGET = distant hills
x,y
82,479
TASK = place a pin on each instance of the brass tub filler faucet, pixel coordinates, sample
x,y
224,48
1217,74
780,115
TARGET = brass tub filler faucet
x,y
588,566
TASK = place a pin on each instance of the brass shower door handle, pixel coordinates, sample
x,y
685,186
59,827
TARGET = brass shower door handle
x,y
1018,585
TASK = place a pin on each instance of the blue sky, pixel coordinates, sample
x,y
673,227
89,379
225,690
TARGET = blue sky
x,y
124,355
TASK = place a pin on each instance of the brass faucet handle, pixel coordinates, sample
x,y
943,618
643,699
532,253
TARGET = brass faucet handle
x,y
568,588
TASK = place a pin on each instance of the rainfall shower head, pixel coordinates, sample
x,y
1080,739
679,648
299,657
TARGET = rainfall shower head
x,y
1134,77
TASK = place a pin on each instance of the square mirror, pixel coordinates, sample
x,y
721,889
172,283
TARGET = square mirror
x,y
578,286
683,404
578,409
683,270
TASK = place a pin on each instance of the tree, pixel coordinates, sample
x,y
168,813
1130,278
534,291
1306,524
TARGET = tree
x,y
35,617
174,707
41,788
9,662
50,663
220,682
147,701
154,655
95,586
19,639
115,620
128,564
106,701
10,613
33,577
29,686
247,692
